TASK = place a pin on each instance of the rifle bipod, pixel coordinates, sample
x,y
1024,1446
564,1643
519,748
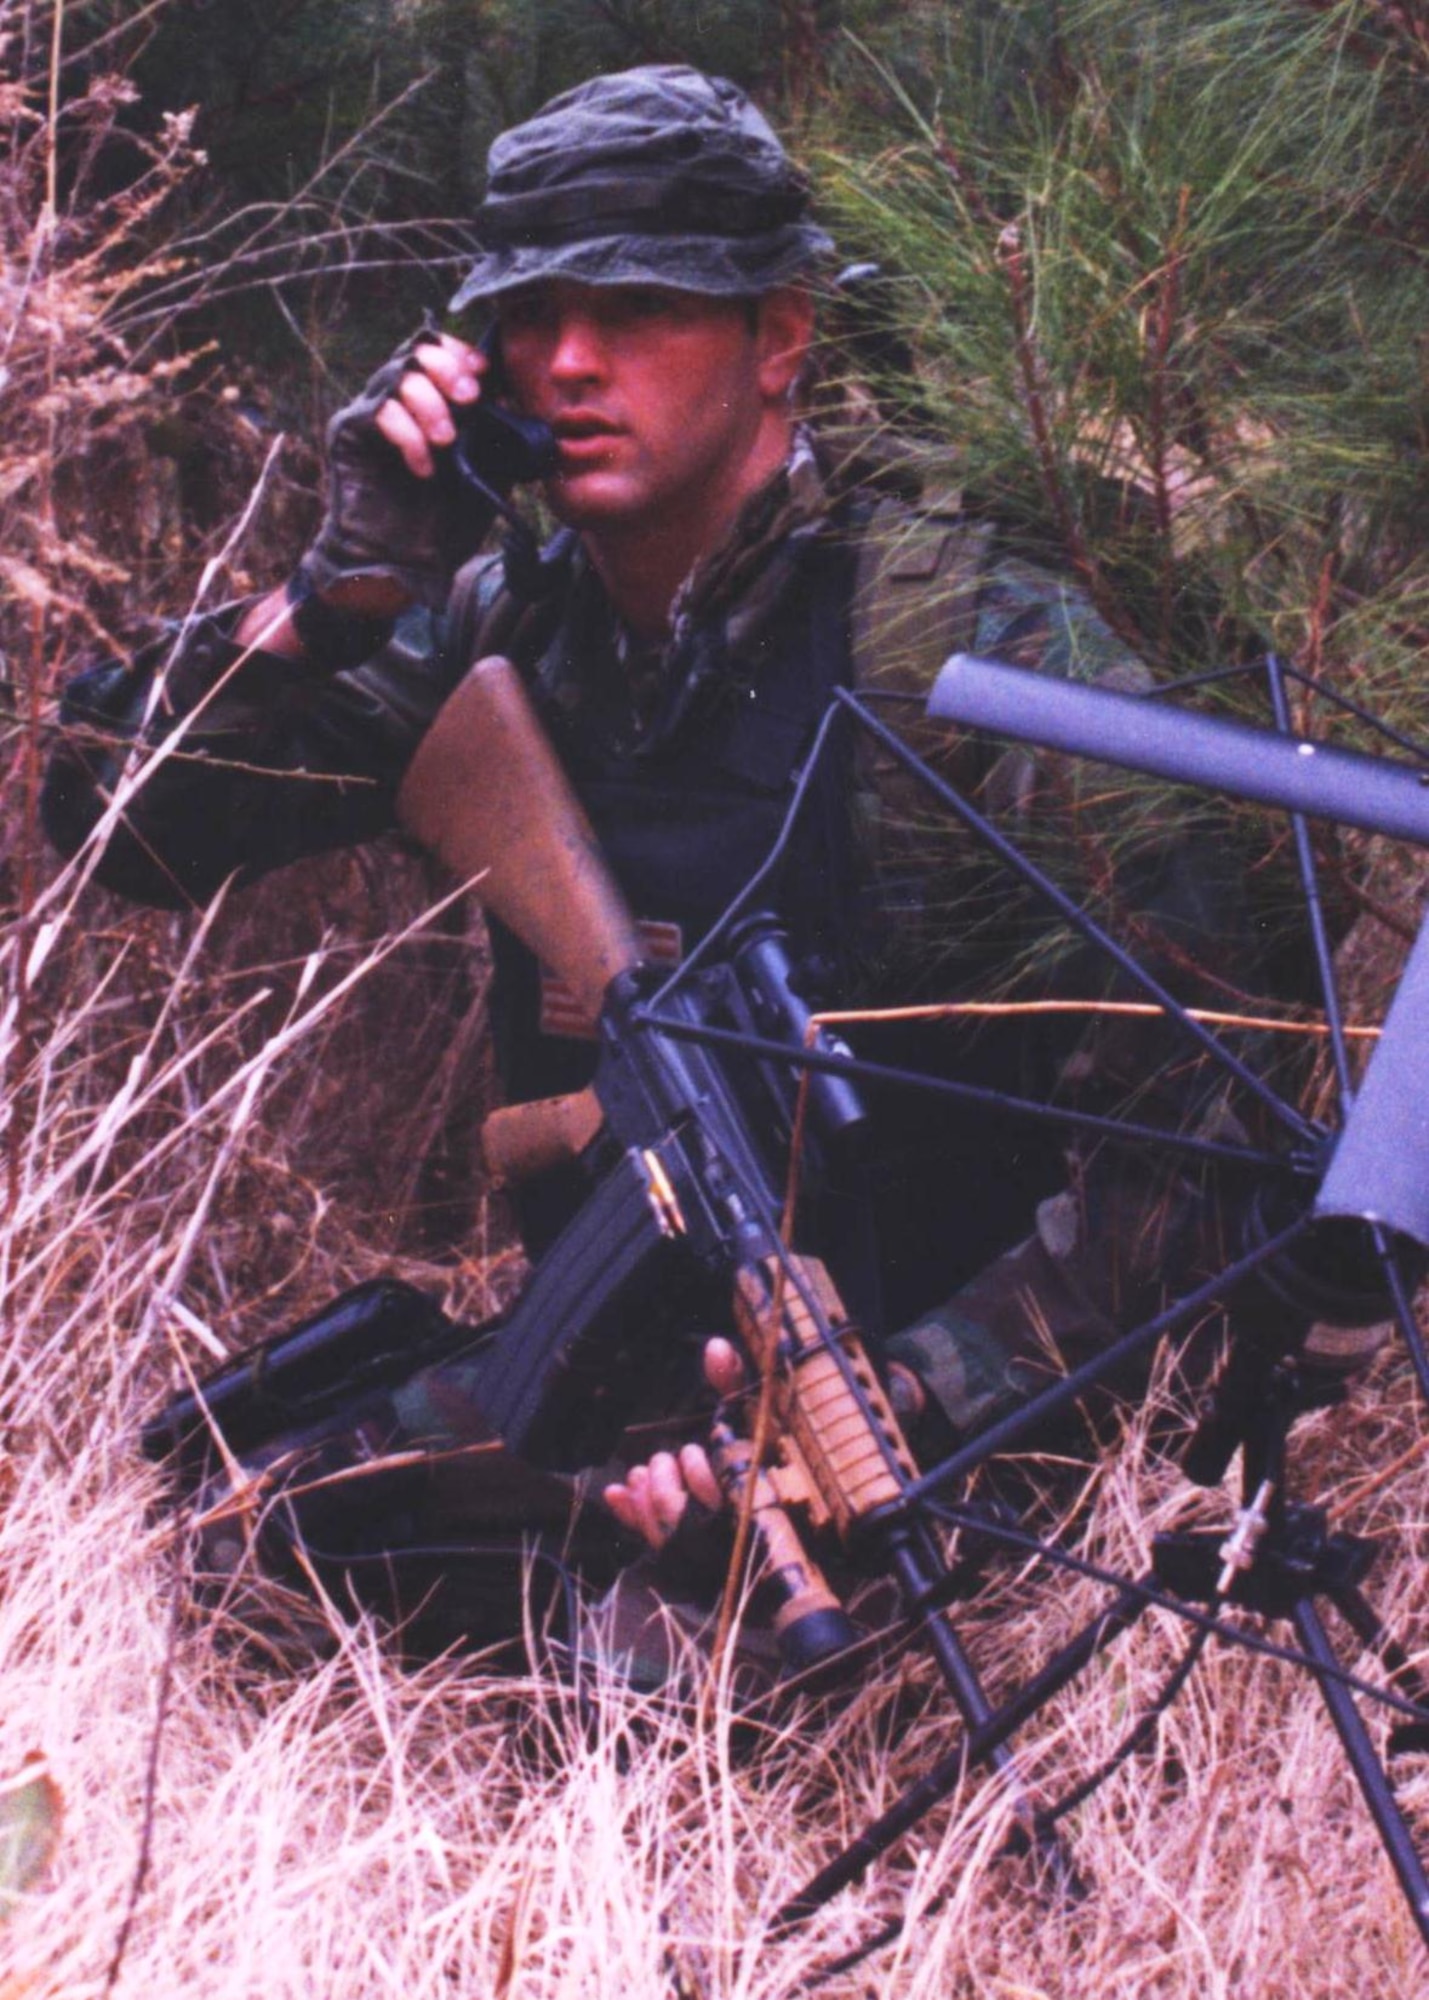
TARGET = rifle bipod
x,y
988,1731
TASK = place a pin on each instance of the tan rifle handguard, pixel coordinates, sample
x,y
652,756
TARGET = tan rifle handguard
x,y
842,1457
487,794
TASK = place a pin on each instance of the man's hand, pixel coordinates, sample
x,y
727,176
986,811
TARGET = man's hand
x,y
395,533
383,541
652,1498
417,419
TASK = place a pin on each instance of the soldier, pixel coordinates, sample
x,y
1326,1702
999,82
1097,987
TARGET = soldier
x,y
645,258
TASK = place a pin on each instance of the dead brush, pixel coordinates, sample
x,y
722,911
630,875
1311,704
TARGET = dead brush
x,y
208,1127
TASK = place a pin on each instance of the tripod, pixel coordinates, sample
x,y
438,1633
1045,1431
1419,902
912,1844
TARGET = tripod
x,y
697,1169
1280,1561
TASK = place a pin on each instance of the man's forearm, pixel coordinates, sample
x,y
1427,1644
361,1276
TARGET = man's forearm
x,y
281,758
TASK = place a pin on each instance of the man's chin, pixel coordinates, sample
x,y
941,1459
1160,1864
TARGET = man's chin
x,y
589,496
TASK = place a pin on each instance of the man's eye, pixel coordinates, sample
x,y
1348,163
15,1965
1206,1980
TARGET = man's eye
x,y
523,314
637,302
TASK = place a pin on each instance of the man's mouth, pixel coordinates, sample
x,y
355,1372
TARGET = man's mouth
x,y
577,427
582,434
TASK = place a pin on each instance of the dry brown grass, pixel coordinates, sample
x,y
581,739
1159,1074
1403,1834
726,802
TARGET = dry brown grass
x,y
211,1124
355,1828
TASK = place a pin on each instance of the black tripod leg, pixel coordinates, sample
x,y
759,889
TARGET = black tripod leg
x,y
1370,1773
1365,1622
916,1565
944,1776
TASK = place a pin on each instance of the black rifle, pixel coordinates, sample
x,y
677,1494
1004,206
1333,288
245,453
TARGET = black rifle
x,y
684,1143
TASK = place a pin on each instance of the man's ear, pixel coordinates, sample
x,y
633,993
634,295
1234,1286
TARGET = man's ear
x,y
784,333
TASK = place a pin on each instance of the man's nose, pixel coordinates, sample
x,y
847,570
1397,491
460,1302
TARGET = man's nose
x,y
578,351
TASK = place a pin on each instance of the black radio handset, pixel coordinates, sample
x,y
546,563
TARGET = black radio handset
x,y
496,447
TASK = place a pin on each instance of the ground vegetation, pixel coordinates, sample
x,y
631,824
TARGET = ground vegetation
x,y
1153,277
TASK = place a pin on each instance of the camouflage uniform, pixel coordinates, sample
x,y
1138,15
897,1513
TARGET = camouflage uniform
x,y
283,761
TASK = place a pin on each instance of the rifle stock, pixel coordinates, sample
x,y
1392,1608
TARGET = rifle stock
x,y
486,794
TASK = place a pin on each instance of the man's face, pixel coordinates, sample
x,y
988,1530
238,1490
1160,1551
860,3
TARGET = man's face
x,y
663,402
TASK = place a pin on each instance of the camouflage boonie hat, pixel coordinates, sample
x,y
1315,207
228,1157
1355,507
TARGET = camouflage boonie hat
x,y
656,176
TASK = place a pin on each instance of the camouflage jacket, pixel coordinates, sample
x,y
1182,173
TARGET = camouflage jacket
x,y
276,759
272,759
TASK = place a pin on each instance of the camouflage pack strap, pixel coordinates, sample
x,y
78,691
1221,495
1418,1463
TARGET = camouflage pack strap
x,y
917,586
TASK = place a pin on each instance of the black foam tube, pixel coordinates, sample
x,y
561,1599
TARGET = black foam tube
x,y
1380,1169
1373,793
